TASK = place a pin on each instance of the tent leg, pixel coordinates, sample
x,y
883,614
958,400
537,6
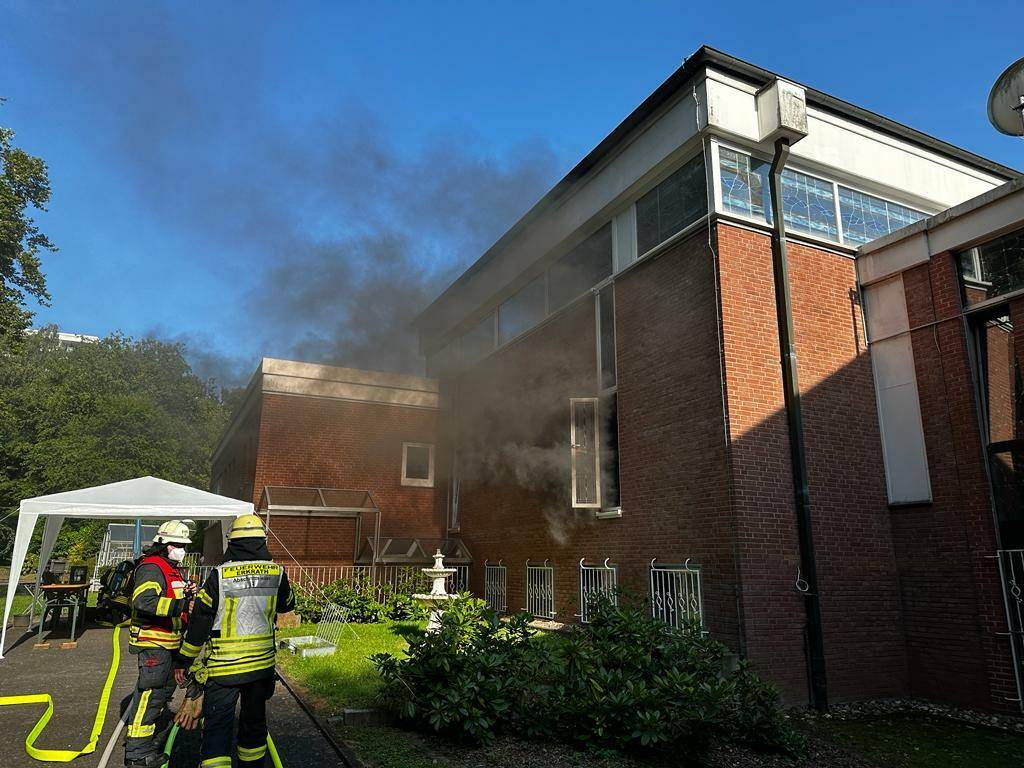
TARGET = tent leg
x,y
22,537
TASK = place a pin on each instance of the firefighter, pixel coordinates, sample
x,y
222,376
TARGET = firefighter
x,y
235,612
159,599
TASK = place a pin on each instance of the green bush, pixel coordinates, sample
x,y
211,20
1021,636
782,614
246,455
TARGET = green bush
x,y
399,606
625,681
310,602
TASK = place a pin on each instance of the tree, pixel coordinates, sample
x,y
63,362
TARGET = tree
x,y
98,413
24,184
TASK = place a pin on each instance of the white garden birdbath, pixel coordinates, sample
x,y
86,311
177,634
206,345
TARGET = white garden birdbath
x,y
438,595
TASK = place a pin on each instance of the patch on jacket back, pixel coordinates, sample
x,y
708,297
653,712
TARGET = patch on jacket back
x,y
152,661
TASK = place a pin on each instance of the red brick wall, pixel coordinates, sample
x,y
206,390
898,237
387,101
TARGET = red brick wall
x,y
950,591
856,564
671,442
316,442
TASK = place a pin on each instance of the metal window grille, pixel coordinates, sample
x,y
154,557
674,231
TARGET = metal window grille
x,y
496,586
540,590
332,624
1011,569
676,594
595,581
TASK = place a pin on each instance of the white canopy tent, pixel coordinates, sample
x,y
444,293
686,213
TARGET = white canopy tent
x,y
148,498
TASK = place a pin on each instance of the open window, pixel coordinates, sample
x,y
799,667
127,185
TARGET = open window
x,y
418,464
586,460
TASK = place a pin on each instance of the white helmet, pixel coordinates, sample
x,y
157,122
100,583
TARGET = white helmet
x,y
173,532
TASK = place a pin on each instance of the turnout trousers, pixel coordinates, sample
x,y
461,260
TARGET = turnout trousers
x,y
148,715
219,719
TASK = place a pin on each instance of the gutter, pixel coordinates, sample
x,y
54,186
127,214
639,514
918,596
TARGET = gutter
x,y
807,577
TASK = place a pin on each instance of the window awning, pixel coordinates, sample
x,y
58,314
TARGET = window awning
x,y
401,551
288,499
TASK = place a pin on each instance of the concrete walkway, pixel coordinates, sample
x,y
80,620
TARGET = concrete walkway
x,y
74,678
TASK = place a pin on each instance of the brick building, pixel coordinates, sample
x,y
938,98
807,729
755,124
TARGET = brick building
x,y
322,450
610,414
618,413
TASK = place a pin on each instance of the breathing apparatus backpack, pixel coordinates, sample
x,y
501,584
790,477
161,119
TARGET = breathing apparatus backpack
x,y
114,602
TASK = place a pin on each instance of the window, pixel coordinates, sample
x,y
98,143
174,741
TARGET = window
x,y
671,206
993,269
586,490
521,312
608,404
675,594
581,269
809,205
540,590
418,464
809,202
745,183
1001,388
866,217
597,582
478,342
496,586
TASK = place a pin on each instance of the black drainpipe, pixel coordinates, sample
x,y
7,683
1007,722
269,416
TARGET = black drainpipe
x,y
807,582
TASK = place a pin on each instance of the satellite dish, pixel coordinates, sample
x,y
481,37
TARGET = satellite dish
x,y
1006,101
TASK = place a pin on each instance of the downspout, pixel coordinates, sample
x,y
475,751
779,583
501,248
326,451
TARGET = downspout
x,y
807,579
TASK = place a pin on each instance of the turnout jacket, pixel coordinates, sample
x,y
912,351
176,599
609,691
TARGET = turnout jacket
x,y
234,613
158,603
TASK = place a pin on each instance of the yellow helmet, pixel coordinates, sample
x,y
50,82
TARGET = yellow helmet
x,y
246,527
173,532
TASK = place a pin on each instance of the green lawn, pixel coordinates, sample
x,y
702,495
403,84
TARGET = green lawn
x,y
917,741
346,678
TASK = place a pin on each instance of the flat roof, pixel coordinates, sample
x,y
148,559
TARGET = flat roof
x,y
705,56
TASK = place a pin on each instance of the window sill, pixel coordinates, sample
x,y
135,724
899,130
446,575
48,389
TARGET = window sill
x,y
608,514
417,483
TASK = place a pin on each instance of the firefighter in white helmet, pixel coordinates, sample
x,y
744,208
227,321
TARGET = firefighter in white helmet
x,y
159,603
235,613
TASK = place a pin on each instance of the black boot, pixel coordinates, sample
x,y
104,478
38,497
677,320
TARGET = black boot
x,y
154,760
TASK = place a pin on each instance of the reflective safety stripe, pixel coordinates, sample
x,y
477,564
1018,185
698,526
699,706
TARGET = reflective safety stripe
x,y
251,753
146,586
241,667
205,598
216,762
163,606
228,625
137,729
189,650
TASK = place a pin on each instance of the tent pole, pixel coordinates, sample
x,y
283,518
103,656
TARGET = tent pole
x,y
137,543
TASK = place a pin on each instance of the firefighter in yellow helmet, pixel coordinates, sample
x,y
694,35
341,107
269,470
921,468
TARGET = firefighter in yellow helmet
x,y
235,613
159,600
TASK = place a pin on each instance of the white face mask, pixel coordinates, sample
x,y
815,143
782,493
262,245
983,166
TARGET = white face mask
x,y
177,554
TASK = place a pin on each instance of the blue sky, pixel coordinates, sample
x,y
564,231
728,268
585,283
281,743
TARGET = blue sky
x,y
290,179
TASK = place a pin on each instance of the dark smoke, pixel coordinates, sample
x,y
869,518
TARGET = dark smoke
x,y
330,236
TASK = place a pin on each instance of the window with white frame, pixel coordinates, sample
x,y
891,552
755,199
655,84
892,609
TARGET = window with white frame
x,y
418,464
584,453
810,204
671,206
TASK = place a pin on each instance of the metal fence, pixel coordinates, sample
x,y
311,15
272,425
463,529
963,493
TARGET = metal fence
x,y
1011,569
597,581
379,582
675,594
540,590
496,586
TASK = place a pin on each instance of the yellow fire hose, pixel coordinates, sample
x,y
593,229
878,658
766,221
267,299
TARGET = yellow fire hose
x,y
67,755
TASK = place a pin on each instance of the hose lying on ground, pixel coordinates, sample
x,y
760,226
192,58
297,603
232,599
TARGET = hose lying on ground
x,y
67,755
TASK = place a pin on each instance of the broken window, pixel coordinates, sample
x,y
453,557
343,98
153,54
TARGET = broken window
x,y
417,464
586,490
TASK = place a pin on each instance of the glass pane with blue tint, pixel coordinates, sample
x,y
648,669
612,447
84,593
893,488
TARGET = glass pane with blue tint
x,y
808,204
580,269
744,182
866,217
479,341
